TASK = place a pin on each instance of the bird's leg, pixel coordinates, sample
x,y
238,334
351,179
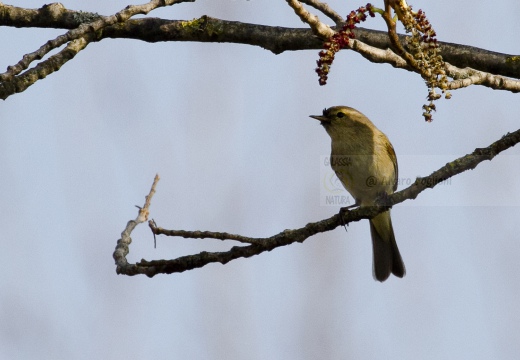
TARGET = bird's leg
x,y
345,209
383,199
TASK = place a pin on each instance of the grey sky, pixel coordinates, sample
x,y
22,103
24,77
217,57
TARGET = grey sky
x,y
227,128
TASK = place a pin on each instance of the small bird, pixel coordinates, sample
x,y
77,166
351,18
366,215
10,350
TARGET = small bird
x,y
365,163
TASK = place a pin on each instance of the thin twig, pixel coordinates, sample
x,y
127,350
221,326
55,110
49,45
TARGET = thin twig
x,y
21,82
379,55
320,29
122,247
326,10
144,211
81,31
204,235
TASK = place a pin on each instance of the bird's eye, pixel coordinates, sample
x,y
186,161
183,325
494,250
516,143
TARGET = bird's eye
x,y
340,115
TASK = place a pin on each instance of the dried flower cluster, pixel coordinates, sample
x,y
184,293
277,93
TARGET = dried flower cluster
x,y
424,48
340,40
422,51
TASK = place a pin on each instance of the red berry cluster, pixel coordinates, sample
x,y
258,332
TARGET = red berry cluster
x,y
340,40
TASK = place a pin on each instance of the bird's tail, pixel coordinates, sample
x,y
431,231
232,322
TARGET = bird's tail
x,y
387,258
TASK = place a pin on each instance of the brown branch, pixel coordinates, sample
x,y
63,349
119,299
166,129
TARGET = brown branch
x,y
376,55
205,235
81,31
468,76
21,82
122,247
326,10
287,237
273,38
320,29
373,45
8,84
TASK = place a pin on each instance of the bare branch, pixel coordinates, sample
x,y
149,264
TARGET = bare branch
x,y
373,45
122,247
279,39
320,29
205,235
468,76
83,31
43,69
274,38
462,77
144,211
379,55
53,15
326,10
286,237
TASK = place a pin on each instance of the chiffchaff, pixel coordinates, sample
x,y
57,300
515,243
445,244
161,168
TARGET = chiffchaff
x,y
365,163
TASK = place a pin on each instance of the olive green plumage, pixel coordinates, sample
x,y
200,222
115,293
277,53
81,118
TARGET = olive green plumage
x,y
365,163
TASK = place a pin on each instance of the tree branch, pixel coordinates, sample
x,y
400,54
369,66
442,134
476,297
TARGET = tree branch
x,y
273,38
326,10
372,45
287,237
318,28
84,31
90,27
468,76
122,247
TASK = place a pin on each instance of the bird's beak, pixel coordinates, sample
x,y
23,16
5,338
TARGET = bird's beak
x,y
320,118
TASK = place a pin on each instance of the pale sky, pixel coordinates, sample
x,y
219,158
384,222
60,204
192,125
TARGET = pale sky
x,y
227,128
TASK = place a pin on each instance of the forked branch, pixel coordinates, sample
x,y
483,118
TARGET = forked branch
x,y
259,245
492,68
13,80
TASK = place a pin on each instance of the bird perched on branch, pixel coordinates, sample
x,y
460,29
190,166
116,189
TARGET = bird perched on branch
x,y
365,163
